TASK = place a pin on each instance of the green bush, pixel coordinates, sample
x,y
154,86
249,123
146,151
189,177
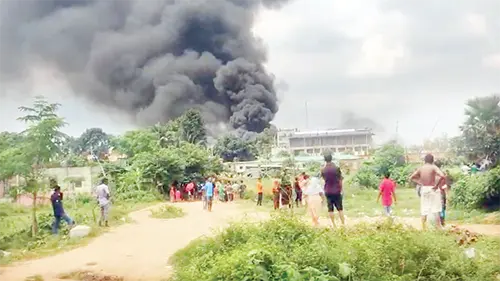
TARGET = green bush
x,y
402,174
286,249
480,190
365,177
138,196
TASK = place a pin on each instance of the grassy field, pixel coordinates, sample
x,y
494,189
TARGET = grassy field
x,y
362,202
15,225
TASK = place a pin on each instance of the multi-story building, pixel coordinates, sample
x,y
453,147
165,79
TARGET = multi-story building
x,y
282,138
353,141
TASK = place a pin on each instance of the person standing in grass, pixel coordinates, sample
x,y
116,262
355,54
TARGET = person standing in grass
x,y
260,191
387,192
313,193
243,187
429,176
57,205
333,188
298,190
444,187
103,197
276,194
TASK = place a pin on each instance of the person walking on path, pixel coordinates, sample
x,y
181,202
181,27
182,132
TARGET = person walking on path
x,y
313,195
209,193
57,205
387,192
103,199
430,177
333,189
260,191
298,191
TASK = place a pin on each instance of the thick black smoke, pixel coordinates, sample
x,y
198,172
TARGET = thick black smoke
x,y
153,59
350,120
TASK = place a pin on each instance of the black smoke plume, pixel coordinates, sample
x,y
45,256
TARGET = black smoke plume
x,y
350,120
150,58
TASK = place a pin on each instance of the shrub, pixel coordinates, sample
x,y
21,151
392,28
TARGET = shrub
x,y
477,191
402,174
167,212
287,249
365,177
138,196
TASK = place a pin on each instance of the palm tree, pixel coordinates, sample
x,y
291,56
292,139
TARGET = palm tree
x,y
482,126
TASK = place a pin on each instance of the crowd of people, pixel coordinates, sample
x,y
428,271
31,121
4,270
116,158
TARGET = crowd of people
x,y
326,187
223,190
312,191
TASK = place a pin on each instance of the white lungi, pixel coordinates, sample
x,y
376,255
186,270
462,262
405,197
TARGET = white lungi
x,y
430,201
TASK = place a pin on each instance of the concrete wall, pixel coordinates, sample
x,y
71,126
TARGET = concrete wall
x,y
75,179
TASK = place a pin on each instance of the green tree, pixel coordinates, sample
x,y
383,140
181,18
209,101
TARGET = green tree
x,y
192,127
136,142
481,130
9,139
264,143
94,141
388,157
42,143
230,147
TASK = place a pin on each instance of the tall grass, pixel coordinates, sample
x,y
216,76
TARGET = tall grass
x,y
286,249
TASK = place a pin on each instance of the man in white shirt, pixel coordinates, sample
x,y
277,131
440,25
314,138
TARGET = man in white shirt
x,y
103,195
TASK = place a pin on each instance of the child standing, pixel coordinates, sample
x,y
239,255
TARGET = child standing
x,y
387,192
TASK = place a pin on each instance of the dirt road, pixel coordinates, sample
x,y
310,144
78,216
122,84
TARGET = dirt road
x,y
138,251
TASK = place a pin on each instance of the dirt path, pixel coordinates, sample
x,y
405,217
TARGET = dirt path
x,y
138,251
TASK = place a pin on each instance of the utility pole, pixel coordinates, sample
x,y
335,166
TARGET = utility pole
x,y
307,116
397,131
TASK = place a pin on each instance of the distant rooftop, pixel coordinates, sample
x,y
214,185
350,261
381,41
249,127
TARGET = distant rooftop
x,y
334,132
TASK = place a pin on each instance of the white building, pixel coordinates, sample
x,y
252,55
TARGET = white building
x,y
353,141
282,141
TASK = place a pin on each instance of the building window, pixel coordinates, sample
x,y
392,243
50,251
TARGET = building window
x,y
78,183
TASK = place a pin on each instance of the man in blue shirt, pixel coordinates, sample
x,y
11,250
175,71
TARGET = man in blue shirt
x,y
209,193
57,206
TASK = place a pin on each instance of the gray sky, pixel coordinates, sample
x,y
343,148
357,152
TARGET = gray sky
x,y
412,62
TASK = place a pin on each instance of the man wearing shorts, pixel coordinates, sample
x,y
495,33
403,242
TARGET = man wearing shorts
x,y
103,196
430,177
333,188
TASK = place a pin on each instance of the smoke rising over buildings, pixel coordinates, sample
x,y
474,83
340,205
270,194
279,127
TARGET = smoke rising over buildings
x,y
350,120
152,59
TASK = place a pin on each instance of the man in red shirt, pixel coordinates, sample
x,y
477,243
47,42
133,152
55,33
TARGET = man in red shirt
x,y
387,192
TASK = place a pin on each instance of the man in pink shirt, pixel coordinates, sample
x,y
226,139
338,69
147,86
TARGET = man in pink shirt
x,y
189,190
387,192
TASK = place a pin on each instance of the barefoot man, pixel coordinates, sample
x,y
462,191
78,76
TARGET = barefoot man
x,y
430,199
333,188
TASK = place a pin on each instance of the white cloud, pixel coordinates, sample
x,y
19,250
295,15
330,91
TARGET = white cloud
x,y
377,57
476,24
493,61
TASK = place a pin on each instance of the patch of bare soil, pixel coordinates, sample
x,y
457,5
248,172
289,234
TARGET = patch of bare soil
x,y
88,276
134,252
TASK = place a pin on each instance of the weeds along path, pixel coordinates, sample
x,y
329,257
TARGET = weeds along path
x,y
483,229
138,251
